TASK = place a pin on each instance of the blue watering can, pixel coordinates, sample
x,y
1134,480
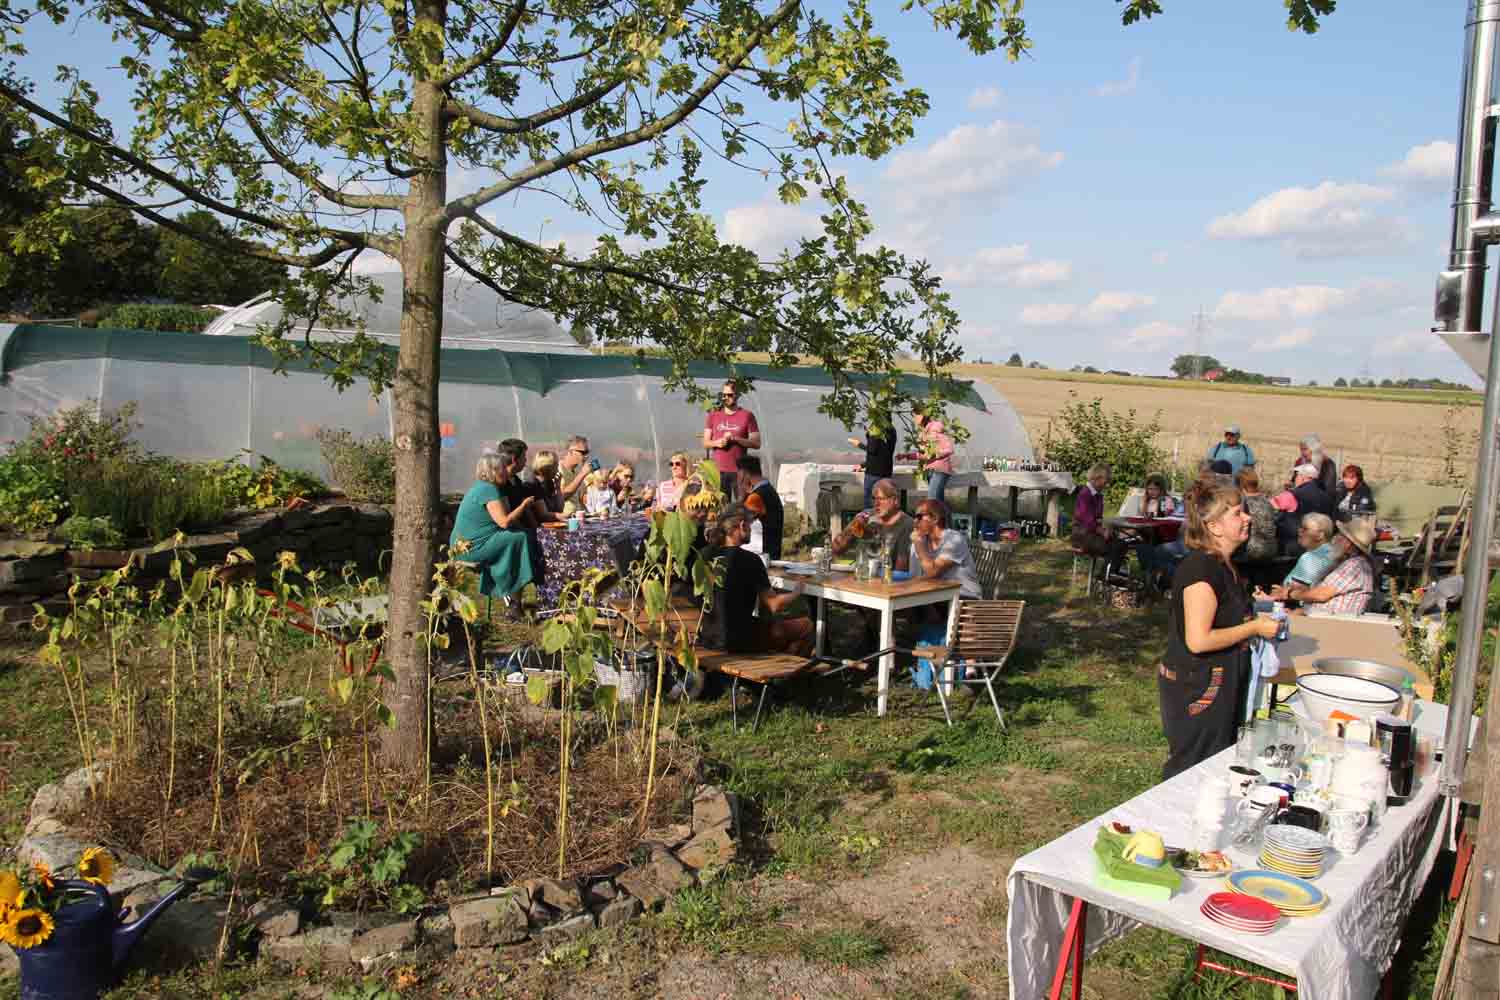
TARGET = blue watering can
x,y
89,944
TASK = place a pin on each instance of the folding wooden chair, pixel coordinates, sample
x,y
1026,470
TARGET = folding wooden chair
x,y
993,559
982,640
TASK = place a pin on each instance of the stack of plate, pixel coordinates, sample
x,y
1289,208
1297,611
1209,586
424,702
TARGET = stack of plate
x,y
1241,913
1289,894
1293,850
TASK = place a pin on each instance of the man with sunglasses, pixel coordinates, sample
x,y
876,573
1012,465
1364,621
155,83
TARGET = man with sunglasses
x,y
728,433
575,463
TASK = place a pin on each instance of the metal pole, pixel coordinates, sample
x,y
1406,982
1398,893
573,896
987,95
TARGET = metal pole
x,y
1460,302
1481,530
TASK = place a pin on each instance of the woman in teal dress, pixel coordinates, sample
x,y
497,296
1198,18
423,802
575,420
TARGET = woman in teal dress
x,y
488,533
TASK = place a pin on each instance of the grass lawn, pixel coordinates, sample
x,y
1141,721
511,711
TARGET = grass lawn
x,y
875,850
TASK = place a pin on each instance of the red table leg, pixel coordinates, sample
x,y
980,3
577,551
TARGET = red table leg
x,y
1072,949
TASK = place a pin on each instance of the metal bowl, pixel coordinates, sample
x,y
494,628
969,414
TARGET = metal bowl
x,y
1383,673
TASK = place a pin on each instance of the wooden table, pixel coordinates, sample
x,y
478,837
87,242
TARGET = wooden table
x,y
1154,530
887,598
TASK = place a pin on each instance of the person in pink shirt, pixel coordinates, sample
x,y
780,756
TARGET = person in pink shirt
x,y
669,491
935,454
728,433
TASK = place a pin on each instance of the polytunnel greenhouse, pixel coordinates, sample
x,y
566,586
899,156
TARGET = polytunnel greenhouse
x,y
207,397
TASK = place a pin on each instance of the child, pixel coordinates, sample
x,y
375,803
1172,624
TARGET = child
x,y
598,498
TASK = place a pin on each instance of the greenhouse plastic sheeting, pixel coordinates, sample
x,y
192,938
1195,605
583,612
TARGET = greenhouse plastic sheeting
x,y
206,398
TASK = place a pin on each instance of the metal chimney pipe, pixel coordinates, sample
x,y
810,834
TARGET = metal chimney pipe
x,y
1460,293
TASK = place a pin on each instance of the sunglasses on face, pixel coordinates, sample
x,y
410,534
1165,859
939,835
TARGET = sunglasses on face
x,y
926,517
678,465
580,451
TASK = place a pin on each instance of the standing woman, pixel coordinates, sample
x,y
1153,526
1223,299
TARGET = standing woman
x,y
1201,679
934,453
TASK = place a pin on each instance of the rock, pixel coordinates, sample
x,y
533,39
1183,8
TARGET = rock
x,y
482,923
712,848
44,826
10,965
63,799
25,548
565,931
600,893
713,807
380,949
540,914
187,932
275,919
97,558
669,837
655,880
437,931
322,946
53,850
294,705
621,911
561,896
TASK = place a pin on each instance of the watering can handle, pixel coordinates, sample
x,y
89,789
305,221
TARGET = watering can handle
x,y
94,887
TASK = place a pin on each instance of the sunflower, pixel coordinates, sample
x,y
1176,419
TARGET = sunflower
x,y
10,891
96,866
43,876
26,928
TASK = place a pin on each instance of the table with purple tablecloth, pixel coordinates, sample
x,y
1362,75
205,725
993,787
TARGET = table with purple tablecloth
x,y
608,544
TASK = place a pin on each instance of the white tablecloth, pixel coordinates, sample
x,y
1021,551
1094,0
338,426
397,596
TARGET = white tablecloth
x,y
1340,954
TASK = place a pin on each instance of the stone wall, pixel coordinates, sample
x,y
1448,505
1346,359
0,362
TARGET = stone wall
x,y
544,912
327,534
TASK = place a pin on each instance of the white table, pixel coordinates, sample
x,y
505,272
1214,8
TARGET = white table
x,y
887,598
1340,954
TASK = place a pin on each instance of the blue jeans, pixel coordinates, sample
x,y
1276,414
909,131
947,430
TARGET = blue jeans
x,y
937,482
870,481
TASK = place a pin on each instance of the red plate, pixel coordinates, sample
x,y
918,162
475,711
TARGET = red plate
x,y
1218,917
1247,908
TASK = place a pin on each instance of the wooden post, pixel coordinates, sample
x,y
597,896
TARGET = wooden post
x,y
1478,974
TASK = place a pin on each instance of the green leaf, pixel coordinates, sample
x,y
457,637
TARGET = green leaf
x,y
656,597
536,689
344,687
555,635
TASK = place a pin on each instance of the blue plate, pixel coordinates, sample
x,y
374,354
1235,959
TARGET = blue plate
x,y
899,575
1285,891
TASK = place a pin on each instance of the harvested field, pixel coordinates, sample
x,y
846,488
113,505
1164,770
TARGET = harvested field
x,y
1393,439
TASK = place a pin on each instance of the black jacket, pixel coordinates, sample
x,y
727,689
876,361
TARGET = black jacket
x,y
1311,499
1348,503
880,455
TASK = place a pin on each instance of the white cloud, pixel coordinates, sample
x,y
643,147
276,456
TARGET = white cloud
x,y
1431,163
1010,266
1153,333
984,98
375,262
1119,88
1048,314
1302,302
1416,342
1330,220
769,226
1284,341
969,162
1111,305
1105,307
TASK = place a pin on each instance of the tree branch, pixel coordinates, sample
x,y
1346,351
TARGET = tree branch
x,y
508,294
490,51
468,204
308,177
243,247
454,108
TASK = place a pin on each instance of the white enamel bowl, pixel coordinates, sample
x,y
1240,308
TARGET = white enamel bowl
x,y
1361,698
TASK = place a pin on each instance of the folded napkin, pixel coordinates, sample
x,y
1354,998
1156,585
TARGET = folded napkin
x,y
1263,663
1109,848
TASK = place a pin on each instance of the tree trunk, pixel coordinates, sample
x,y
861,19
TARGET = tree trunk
x,y
416,422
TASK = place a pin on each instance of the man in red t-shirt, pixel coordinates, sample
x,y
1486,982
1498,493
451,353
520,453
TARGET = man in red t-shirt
x,y
728,433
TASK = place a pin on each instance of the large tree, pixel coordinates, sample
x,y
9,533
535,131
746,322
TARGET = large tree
x,y
321,129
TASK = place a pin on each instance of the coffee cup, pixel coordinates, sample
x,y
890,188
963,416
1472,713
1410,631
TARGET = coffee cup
x,y
1303,816
1242,780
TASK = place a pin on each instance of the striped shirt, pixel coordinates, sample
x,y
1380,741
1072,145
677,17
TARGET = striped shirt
x,y
1353,583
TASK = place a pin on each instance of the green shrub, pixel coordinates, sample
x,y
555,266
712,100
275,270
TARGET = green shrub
x,y
31,492
168,318
151,497
1086,434
90,532
268,485
364,470
36,476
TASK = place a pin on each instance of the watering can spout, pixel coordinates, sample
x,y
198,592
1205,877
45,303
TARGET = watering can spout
x,y
127,935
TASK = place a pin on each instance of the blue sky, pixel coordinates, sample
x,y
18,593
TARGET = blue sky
x,y
1085,202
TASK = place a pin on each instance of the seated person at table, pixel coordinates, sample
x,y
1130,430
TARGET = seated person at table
x,y
1317,556
886,521
773,517
1091,534
669,490
1349,585
1305,497
574,468
744,586
940,553
487,532
1158,500
598,497
546,487
622,482
1353,498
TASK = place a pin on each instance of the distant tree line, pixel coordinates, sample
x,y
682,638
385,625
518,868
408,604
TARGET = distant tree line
x,y
1404,383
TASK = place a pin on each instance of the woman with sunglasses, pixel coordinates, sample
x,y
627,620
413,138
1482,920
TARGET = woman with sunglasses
x,y
669,491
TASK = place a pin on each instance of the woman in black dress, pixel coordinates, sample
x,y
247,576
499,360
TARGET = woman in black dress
x,y
1201,679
